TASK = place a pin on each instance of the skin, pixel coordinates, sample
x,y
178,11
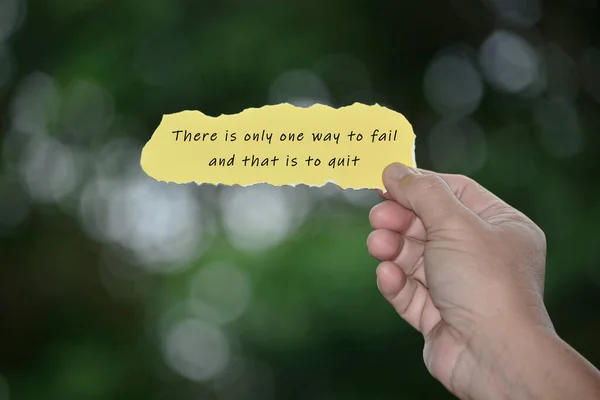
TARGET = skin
x,y
467,271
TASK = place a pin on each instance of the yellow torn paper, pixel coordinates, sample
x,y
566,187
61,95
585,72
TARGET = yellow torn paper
x,y
281,145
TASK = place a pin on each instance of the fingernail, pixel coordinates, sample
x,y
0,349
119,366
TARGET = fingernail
x,y
386,291
377,278
397,171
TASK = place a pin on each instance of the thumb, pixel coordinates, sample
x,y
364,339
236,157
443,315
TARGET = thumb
x,y
427,195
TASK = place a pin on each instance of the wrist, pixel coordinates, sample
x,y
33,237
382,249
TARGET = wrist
x,y
524,361
496,362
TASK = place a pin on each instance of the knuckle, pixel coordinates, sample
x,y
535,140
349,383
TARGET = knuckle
x,y
538,233
461,178
466,181
541,235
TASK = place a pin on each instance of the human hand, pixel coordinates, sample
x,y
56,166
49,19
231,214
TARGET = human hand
x,y
462,267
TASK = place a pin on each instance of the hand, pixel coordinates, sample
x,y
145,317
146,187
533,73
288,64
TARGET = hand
x,y
462,267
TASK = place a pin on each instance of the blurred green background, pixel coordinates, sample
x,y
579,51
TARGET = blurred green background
x,y
113,286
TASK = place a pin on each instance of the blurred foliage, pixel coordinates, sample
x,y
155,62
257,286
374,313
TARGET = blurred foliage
x,y
315,325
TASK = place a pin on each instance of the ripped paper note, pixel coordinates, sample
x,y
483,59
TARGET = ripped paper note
x,y
281,145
